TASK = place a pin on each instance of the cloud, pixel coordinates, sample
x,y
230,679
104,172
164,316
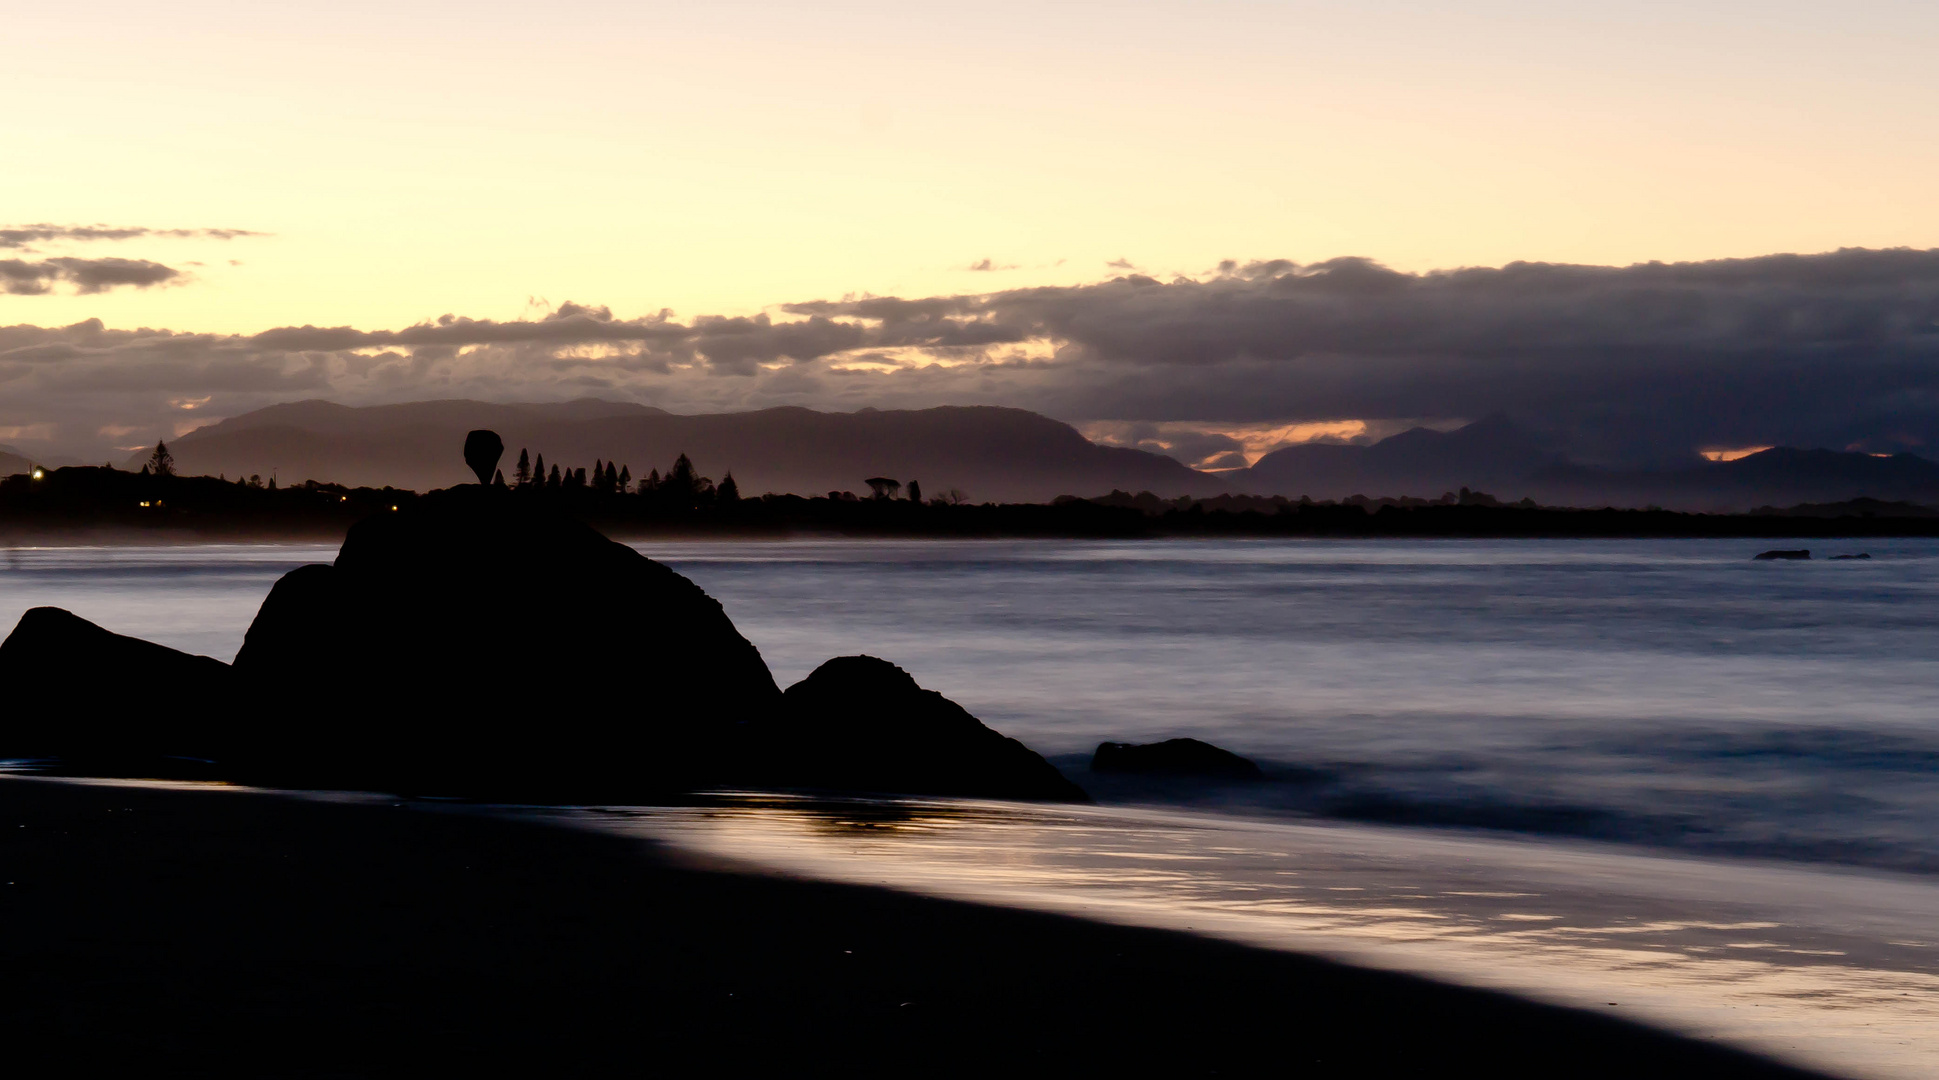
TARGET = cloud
x,y
21,278
21,236
1622,364
989,266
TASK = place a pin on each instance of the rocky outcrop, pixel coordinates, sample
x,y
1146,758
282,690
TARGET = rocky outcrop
x,y
859,723
476,643
102,701
1173,757
1781,553
480,644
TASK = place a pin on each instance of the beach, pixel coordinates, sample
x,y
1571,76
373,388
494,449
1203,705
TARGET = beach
x,y
181,928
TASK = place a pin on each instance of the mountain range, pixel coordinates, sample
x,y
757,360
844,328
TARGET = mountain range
x,y
1497,456
995,454
989,453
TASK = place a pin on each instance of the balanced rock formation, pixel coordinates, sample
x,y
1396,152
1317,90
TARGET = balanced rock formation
x,y
1173,757
104,702
859,723
477,644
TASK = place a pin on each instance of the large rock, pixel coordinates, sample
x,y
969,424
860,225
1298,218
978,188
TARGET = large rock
x,y
477,644
858,723
104,702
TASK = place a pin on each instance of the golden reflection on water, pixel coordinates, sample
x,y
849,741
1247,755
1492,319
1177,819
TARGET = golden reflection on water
x,y
1833,969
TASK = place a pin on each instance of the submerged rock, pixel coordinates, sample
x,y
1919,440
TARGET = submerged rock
x,y
1173,757
1782,553
98,699
477,643
860,723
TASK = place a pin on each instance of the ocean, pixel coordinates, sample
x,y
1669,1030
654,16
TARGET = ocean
x,y
1652,778
1667,693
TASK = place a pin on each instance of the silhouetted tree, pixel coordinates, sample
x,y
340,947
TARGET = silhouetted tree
x,y
523,473
651,483
579,477
599,476
680,479
553,482
625,479
161,462
272,482
729,491
498,478
882,487
915,491
611,483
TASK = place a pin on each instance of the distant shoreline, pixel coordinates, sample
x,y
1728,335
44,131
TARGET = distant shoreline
x,y
109,507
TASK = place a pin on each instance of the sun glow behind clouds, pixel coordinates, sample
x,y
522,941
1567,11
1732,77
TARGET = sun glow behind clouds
x,y
1733,454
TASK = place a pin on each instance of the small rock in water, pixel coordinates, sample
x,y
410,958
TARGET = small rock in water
x,y
1173,757
1782,553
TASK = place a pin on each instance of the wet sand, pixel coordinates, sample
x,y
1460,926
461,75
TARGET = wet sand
x,y
222,931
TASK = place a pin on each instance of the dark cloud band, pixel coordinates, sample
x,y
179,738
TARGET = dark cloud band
x,y
1617,364
20,236
21,278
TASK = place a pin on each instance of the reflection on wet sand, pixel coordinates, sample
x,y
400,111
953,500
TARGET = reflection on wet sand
x,y
1837,970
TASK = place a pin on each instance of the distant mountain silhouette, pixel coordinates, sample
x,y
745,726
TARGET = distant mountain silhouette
x,y
991,454
1496,456
12,461
1491,454
1781,476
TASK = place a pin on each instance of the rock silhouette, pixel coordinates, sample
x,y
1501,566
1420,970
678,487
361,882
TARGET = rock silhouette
x,y
859,723
483,448
1173,757
1781,553
478,644
102,701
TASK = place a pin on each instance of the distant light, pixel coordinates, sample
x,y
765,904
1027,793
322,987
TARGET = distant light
x,y
393,508
343,498
38,475
144,504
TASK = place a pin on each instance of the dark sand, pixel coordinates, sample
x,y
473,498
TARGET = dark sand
x,y
235,933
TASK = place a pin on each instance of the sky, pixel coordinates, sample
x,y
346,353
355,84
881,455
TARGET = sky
x,y
221,170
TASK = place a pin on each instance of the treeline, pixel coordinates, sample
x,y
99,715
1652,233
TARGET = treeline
x,y
682,488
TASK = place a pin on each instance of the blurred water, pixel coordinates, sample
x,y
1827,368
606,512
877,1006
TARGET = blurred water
x,y
1671,693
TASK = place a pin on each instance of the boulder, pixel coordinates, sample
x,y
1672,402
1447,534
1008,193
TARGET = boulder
x,y
478,643
859,723
1173,757
100,701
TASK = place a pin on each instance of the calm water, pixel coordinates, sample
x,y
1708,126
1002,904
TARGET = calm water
x,y
1668,693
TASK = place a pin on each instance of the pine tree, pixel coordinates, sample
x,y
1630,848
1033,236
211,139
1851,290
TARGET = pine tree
x,y
553,481
625,479
598,475
915,491
538,471
523,473
161,462
729,491
611,483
